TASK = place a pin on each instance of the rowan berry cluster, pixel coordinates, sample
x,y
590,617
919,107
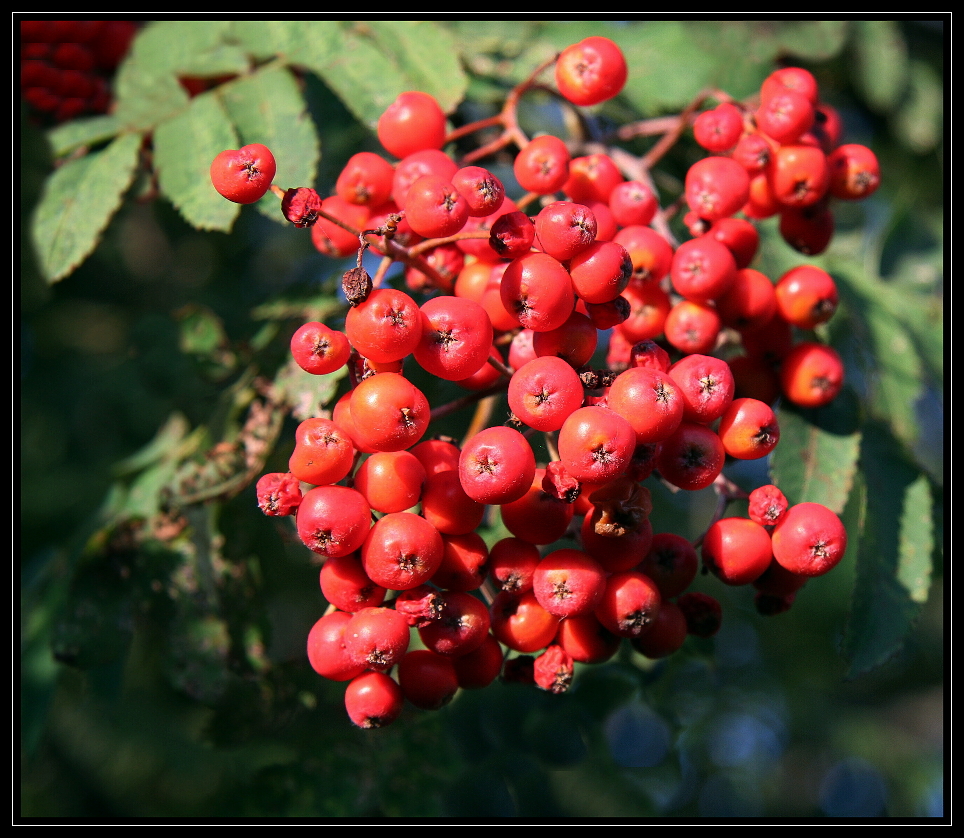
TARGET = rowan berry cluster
x,y
514,297
66,65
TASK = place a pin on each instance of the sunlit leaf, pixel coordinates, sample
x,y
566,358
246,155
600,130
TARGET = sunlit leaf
x,y
145,96
83,132
267,107
368,65
184,147
188,48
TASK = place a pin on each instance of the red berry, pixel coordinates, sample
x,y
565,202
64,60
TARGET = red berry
x,y
456,337
390,413
413,122
809,539
749,429
434,207
543,165
427,680
812,374
278,494
497,466
806,296
318,349
737,550
333,520
376,638
402,551
373,699
568,583
244,175
591,71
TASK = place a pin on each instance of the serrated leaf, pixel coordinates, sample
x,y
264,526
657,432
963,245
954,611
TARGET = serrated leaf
x,y
889,582
667,66
816,457
267,107
78,202
287,39
184,147
431,60
893,368
368,65
188,48
880,67
82,132
145,97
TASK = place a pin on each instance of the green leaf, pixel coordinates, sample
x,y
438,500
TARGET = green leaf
x,y
368,64
267,107
886,349
76,133
307,394
144,96
816,458
920,121
880,67
78,202
425,52
188,48
203,336
813,39
166,443
916,541
294,41
891,576
184,147
295,305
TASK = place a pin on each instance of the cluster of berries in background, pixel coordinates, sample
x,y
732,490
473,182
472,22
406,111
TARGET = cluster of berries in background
x,y
517,298
66,65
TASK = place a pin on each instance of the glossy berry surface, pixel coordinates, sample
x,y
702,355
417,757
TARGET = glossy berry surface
x,y
244,175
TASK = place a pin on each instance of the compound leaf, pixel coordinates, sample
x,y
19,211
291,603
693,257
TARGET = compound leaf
x,y
78,202
184,147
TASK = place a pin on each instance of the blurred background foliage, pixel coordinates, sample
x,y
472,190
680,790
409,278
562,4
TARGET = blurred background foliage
x,y
163,619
